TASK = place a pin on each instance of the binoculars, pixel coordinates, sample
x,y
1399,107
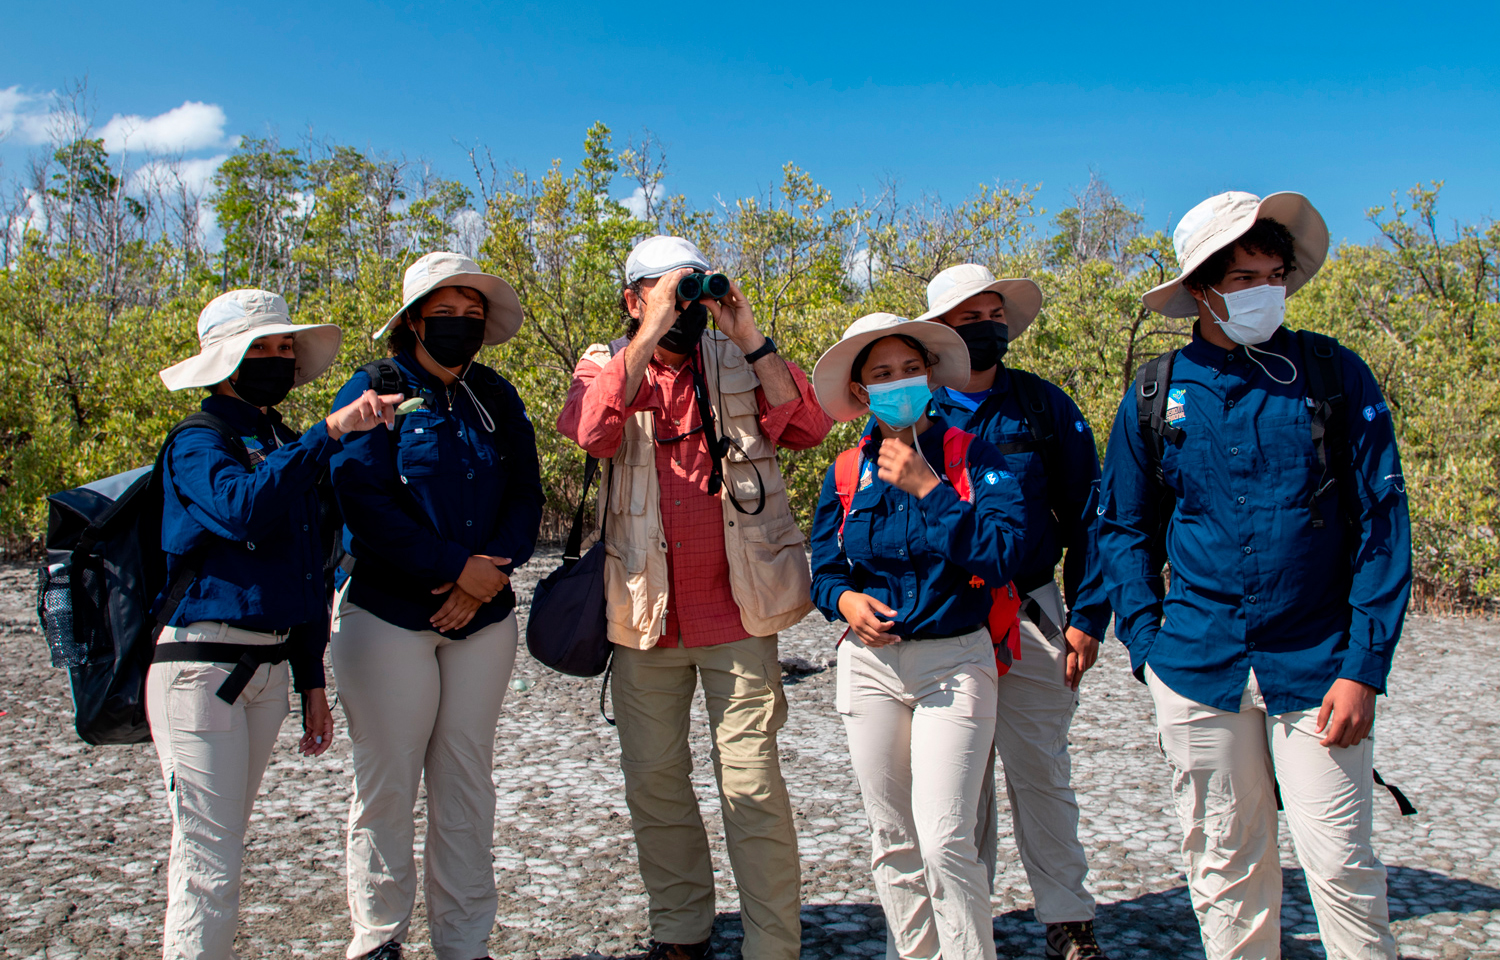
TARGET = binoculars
x,y
711,286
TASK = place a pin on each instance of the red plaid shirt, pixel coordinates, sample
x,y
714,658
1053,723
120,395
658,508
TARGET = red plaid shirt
x,y
701,610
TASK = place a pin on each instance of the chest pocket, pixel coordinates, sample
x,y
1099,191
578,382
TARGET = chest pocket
x,y
417,448
858,529
1291,468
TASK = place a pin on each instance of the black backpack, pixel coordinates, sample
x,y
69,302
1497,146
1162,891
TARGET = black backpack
x,y
105,568
1327,411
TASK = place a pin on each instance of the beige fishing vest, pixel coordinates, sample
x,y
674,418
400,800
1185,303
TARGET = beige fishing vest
x,y
768,572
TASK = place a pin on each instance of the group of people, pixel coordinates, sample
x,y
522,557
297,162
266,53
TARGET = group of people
x,y
936,540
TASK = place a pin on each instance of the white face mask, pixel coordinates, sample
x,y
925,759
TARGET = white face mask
x,y
1254,314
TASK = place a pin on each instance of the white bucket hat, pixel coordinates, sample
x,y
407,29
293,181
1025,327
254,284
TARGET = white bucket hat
x,y
444,269
656,256
234,320
832,375
1221,220
1023,298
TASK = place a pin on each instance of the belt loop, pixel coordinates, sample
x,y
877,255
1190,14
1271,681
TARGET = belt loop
x,y
223,634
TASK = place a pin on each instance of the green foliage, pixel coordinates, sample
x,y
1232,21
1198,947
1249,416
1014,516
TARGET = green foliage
x,y
102,290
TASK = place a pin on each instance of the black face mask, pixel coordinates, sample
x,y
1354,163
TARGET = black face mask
x,y
453,341
987,341
687,330
265,381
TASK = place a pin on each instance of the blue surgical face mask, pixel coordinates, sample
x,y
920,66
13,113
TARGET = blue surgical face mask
x,y
900,403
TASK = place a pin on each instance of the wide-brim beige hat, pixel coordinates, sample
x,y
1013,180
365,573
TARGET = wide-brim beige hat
x,y
832,375
1023,298
1221,220
234,320
445,269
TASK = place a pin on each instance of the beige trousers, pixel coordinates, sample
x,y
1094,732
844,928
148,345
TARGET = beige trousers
x,y
1225,766
420,704
1036,708
212,757
920,715
653,694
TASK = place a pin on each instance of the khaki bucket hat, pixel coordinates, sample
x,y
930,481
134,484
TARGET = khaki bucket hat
x,y
1221,220
833,373
1023,298
445,269
234,320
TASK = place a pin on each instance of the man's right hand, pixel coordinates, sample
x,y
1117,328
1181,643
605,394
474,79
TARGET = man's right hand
x,y
659,311
863,613
482,577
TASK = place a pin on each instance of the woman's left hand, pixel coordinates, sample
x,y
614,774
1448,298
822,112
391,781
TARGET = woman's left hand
x,y
903,467
317,723
457,610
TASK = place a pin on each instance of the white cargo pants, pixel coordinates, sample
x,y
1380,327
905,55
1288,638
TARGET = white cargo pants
x,y
421,705
1036,708
1225,766
212,757
920,715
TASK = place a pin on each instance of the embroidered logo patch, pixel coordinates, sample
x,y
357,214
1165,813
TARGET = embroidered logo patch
x,y
994,476
867,477
256,449
1372,412
1176,405
1078,425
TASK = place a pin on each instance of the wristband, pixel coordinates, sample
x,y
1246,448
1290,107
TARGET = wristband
x,y
765,350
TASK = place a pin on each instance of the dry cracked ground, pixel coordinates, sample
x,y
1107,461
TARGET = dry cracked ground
x,y
84,832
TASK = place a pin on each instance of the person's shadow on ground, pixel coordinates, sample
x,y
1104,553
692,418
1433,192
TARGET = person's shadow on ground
x,y
1157,924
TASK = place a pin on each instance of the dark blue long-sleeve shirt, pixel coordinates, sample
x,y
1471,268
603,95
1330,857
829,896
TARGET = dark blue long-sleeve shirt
x,y
262,561
417,506
1254,584
1001,420
918,556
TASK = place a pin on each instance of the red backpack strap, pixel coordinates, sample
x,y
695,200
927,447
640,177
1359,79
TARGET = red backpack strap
x,y
956,462
846,477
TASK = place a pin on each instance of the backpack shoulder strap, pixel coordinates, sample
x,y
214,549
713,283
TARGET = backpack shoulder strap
x,y
385,376
1152,383
956,444
846,477
203,420
1031,392
1327,423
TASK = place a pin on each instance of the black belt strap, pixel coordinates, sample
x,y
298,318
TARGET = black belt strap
x,y
1038,616
245,657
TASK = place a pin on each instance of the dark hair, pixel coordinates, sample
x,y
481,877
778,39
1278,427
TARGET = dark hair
x,y
632,324
403,339
1267,236
857,369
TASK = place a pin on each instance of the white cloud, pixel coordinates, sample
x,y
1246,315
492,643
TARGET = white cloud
x,y
861,268
25,116
195,175
637,201
468,232
192,126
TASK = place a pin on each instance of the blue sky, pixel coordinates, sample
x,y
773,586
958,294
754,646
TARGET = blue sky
x,y
1169,102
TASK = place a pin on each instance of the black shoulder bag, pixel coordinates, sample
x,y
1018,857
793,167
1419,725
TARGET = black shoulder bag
x,y
566,629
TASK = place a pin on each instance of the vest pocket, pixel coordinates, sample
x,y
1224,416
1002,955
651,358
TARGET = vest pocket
x,y
776,562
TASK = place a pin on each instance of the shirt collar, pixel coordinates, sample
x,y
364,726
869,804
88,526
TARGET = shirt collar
x,y
240,416
1206,354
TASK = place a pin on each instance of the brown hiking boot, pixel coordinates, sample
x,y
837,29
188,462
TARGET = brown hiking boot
x,y
678,951
1073,941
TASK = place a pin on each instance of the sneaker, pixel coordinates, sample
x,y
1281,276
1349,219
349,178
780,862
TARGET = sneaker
x,y
1073,941
678,951
390,950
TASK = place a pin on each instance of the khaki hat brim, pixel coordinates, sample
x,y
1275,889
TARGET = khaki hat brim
x,y
831,376
1023,301
316,347
504,314
1291,210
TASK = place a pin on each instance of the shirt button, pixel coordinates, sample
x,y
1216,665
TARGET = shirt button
x,y
471,474
901,552
1251,598
308,576
1241,500
468,523
1251,645
1249,549
304,528
901,506
679,544
1234,451
678,502
1230,404
910,593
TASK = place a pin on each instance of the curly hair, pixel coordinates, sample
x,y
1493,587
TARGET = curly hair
x,y
1267,236
632,324
857,369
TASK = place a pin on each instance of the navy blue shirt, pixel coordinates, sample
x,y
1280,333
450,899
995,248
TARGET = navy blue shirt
x,y
1000,419
918,556
262,560
1254,584
418,505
